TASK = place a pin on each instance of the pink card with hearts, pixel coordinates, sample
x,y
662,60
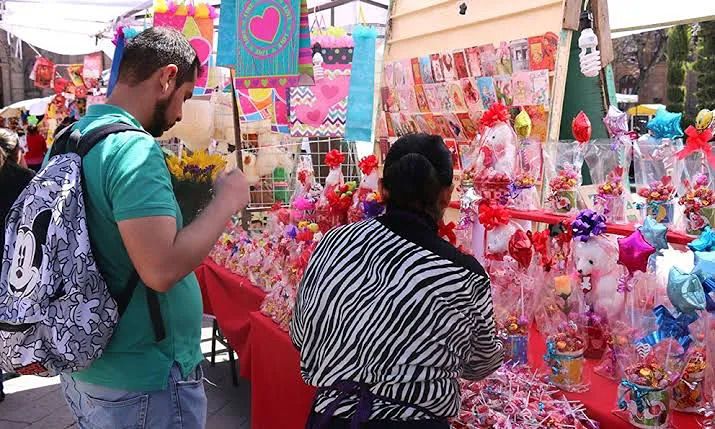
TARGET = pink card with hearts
x,y
321,110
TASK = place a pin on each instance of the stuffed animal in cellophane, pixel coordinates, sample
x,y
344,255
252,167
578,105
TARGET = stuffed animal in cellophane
x,y
496,162
332,209
367,202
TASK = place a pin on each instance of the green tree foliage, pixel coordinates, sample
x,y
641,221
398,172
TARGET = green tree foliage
x,y
705,66
677,52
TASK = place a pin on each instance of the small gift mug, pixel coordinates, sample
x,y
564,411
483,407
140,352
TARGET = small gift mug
x,y
662,212
688,395
647,407
515,349
566,369
564,201
614,207
698,220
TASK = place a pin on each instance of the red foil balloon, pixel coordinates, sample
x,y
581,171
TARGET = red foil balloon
x,y
581,127
634,251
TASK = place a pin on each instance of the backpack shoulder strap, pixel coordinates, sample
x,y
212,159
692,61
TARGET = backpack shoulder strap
x,y
86,142
81,144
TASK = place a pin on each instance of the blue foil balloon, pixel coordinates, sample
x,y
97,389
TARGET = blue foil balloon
x,y
685,291
704,264
666,125
655,234
705,242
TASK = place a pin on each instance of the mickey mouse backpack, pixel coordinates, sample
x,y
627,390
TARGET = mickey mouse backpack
x,y
56,312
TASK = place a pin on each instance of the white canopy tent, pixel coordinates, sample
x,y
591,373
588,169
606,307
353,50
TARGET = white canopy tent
x,y
636,16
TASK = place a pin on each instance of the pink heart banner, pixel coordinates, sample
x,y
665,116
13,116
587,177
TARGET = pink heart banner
x,y
321,110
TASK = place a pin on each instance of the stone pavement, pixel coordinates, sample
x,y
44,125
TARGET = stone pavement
x,y
37,403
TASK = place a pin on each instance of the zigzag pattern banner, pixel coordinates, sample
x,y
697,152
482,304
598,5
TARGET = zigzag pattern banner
x,y
321,110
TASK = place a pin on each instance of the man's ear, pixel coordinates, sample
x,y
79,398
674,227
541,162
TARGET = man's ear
x,y
167,77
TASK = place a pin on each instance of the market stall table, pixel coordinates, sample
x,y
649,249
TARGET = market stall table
x,y
231,299
279,397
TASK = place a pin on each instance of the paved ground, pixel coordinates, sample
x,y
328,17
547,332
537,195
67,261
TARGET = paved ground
x,y
37,403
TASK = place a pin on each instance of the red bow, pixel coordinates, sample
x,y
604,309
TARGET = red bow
x,y
446,231
334,158
497,113
492,216
368,164
698,142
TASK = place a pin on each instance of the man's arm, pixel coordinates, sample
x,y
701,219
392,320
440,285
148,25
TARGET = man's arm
x,y
162,255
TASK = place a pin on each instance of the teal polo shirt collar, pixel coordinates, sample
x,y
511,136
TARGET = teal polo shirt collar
x,y
97,110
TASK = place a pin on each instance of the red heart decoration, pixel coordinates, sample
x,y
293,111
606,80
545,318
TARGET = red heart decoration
x,y
329,91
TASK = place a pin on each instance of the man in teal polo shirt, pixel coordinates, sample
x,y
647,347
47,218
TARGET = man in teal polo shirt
x,y
134,223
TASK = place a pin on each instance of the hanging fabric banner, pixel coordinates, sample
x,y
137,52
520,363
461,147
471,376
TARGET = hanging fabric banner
x,y
321,110
268,40
195,21
305,50
362,86
93,64
256,104
226,51
75,72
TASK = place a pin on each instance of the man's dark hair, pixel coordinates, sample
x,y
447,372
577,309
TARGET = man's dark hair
x,y
154,48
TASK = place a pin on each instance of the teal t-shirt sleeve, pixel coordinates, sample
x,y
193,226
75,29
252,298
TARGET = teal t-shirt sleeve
x,y
139,183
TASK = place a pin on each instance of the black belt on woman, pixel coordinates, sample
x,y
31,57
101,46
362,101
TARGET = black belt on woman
x,y
366,400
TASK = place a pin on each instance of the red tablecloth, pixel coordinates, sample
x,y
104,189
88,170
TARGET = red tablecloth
x,y
600,399
231,299
280,399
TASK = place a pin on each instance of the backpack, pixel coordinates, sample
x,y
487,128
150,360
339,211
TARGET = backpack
x,y
56,311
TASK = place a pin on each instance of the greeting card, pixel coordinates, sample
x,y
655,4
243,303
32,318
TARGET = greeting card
x,y
398,126
443,126
408,123
433,97
539,122
519,55
426,69
457,97
407,99
390,126
487,91
388,75
503,56
465,155
460,63
502,84
455,126
437,68
390,103
421,96
381,126
473,61
488,60
542,51
540,86
444,98
521,86
422,125
402,71
471,94
448,66
468,126
416,71
454,149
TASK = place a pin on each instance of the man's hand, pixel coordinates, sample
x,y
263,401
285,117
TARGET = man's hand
x,y
162,255
232,187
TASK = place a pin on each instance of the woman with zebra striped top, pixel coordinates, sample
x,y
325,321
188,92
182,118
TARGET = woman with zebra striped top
x,y
389,316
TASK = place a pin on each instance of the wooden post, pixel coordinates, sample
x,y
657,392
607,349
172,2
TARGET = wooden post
x,y
602,29
572,14
245,221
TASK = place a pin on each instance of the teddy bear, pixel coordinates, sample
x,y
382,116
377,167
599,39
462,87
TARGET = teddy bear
x,y
598,272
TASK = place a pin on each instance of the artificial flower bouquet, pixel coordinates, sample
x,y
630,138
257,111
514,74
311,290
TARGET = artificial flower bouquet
x,y
658,197
192,177
698,203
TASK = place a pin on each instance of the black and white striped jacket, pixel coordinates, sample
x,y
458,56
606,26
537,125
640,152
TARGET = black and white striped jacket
x,y
388,303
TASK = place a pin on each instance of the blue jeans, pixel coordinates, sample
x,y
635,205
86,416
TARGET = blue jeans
x,y
181,406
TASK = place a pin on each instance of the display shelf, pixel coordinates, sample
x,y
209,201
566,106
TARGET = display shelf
x,y
611,228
